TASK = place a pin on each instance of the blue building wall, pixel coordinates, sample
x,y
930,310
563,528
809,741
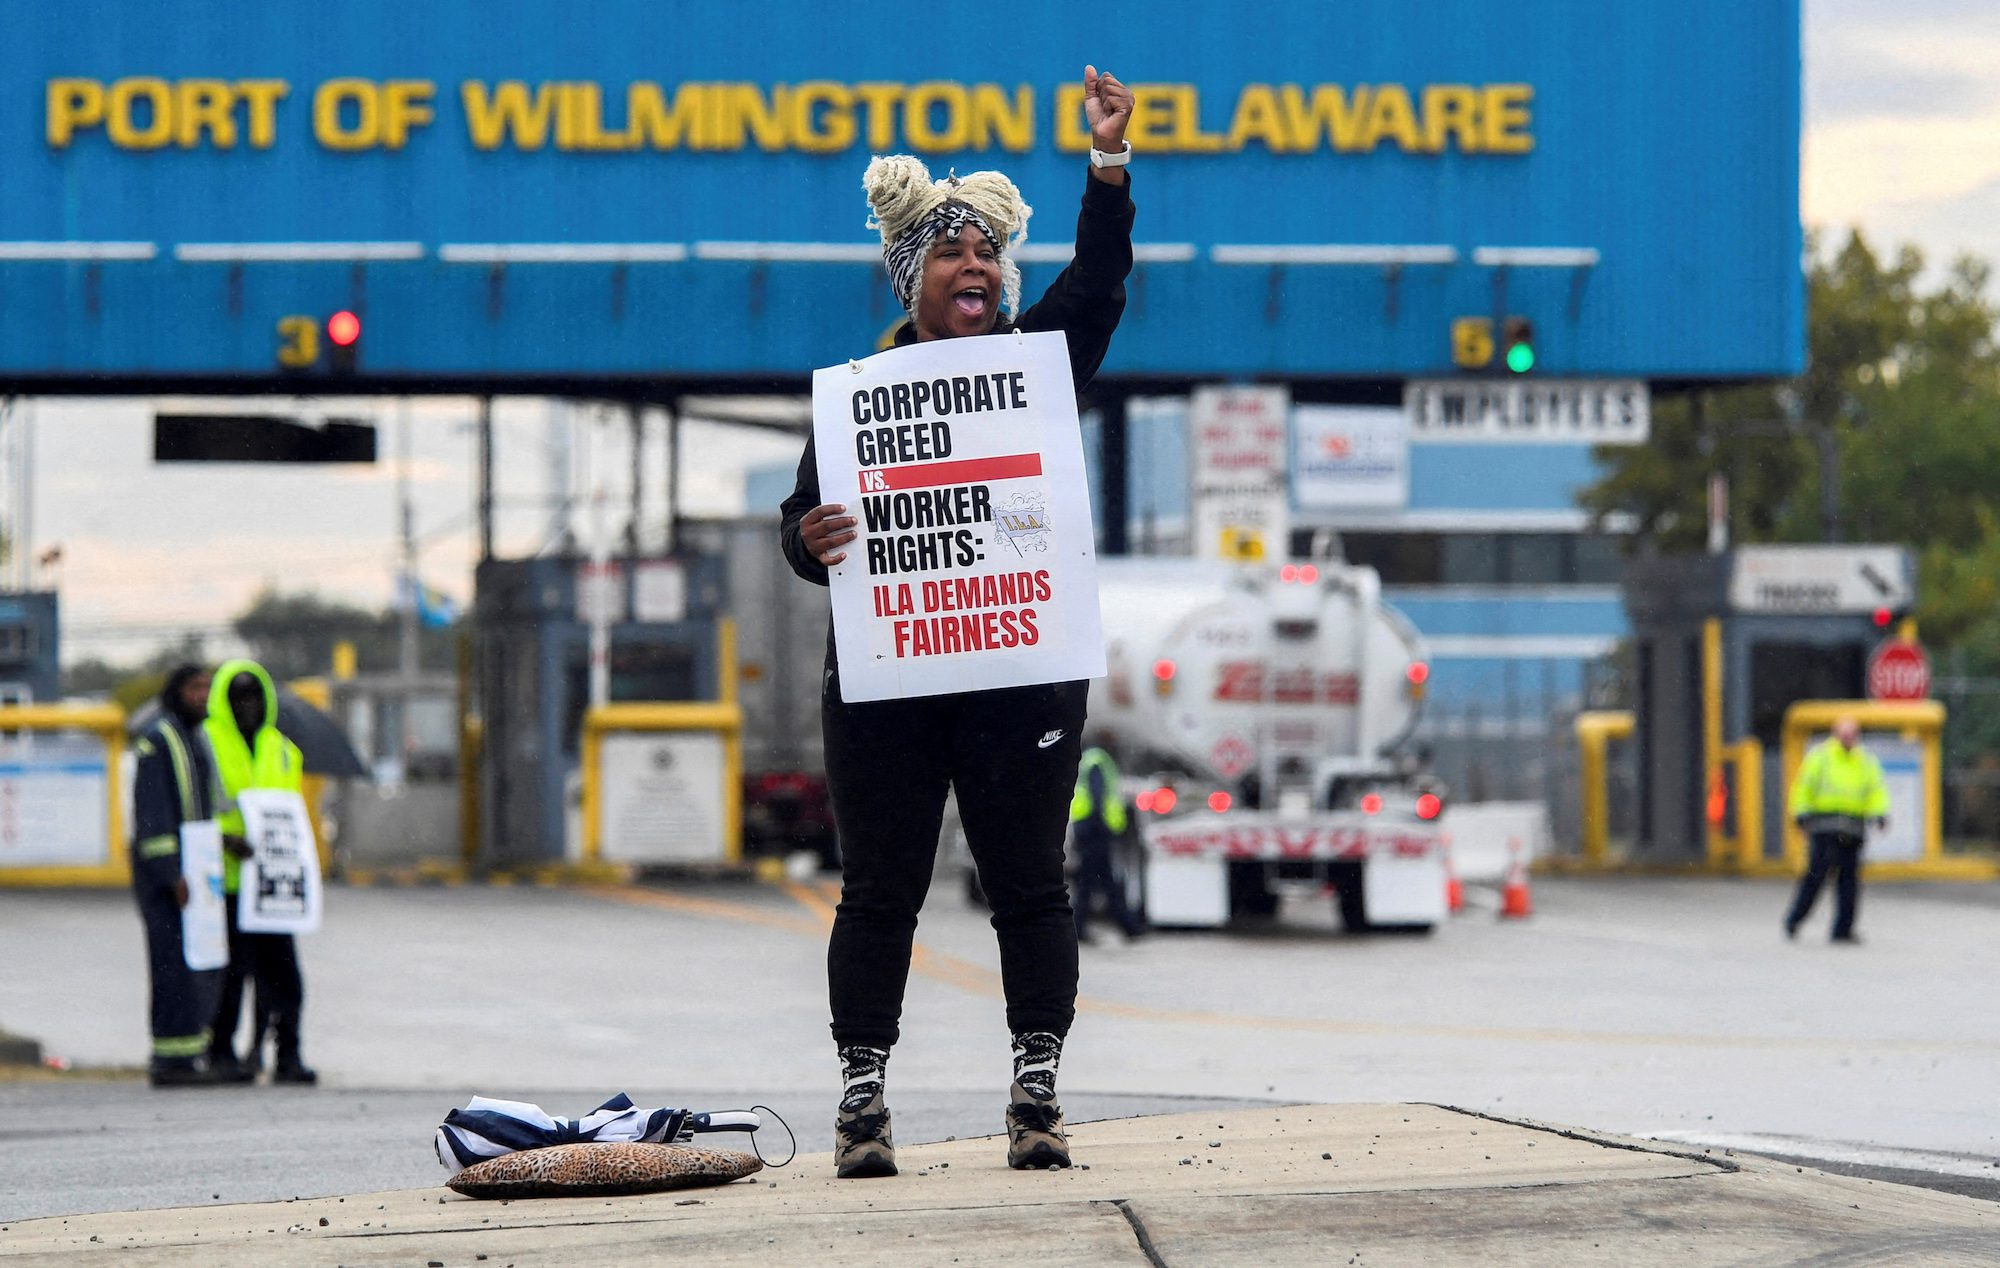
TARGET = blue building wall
x,y
1662,137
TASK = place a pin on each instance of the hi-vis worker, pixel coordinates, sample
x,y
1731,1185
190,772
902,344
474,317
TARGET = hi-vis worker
x,y
1838,790
1097,818
251,753
173,784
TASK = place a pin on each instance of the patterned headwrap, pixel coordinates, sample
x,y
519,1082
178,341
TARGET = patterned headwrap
x,y
912,211
904,258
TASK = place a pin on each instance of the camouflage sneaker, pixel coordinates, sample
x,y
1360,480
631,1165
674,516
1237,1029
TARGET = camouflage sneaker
x,y
862,1146
1035,1137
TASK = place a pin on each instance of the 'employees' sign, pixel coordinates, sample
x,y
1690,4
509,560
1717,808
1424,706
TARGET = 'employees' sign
x,y
1614,412
975,563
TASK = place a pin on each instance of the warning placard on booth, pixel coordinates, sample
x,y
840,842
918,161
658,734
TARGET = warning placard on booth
x,y
975,565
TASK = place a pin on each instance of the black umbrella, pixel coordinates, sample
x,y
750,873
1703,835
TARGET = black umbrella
x,y
321,738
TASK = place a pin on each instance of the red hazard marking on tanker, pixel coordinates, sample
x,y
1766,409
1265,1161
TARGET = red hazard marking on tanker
x,y
1230,756
1242,682
927,475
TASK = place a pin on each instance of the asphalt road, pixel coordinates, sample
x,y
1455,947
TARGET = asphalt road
x,y
1636,1005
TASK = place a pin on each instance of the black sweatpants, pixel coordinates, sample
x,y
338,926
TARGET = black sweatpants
x,y
183,1001
1011,755
1840,854
271,960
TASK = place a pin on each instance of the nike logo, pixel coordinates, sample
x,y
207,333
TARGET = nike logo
x,y
1048,739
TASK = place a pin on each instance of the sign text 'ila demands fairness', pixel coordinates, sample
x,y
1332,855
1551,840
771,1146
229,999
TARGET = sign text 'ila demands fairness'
x,y
975,563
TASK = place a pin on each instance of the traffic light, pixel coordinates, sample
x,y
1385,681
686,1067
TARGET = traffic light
x,y
1517,344
343,337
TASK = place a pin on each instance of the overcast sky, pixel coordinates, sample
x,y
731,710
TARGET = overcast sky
x,y
1902,139
1903,122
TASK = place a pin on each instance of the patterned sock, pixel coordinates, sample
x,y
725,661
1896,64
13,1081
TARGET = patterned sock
x,y
863,1071
1036,1055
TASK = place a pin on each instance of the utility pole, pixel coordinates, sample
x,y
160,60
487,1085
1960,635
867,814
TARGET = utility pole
x,y
598,572
412,586
23,543
673,538
562,493
485,478
1829,481
635,416
1112,475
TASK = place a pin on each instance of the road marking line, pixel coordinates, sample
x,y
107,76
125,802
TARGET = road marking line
x,y
710,907
813,900
978,980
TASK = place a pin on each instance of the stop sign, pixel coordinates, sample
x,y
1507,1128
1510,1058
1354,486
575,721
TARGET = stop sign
x,y
1898,670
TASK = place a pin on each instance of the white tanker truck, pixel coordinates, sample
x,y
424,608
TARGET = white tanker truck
x,y
1269,705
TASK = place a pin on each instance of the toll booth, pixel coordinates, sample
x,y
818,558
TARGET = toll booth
x,y
533,620
1724,646
29,645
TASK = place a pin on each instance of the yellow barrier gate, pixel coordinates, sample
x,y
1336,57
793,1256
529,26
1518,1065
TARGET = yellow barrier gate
x,y
1907,737
62,795
663,781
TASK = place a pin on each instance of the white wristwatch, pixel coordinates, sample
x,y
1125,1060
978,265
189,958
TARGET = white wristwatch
x,y
1098,158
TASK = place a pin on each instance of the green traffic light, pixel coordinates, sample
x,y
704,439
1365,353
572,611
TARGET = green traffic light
x,y
1520,357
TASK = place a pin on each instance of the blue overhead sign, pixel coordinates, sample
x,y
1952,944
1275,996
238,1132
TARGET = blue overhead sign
x,y
643,190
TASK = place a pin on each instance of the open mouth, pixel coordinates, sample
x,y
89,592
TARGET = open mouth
x,y
971,301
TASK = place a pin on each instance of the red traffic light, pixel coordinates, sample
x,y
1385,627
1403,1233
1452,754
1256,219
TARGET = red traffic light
x,y
343,328
1882,618
1219,801
1371,804
1428,806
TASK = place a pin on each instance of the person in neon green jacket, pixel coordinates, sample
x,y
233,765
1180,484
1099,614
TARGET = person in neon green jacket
x,y
250,752
1838,791
1097,818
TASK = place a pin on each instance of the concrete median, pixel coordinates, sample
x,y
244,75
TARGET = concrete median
x,y
1373,1184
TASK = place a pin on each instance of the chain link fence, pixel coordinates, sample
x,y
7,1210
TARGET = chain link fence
x,y
1523,747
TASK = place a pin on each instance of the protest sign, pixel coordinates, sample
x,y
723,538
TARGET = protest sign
x,y
975,564
204,924
281,889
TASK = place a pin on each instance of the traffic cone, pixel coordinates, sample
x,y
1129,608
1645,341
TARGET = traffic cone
x,y
1454,888
1514,901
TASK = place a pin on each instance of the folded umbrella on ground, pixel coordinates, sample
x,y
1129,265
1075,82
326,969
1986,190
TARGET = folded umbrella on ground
x,y
488,1127
504,1149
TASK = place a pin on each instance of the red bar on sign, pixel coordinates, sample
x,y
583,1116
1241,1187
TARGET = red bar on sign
x,y
969,471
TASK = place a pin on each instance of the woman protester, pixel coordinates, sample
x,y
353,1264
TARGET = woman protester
x,y
1010,754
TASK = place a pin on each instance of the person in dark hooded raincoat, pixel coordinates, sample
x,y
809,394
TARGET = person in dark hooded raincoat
x,y
173,784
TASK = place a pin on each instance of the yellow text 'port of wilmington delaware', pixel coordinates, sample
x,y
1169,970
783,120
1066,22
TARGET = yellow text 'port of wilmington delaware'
x,y
144,113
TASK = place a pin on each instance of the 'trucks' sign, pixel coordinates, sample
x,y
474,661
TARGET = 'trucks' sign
x,y
975,563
